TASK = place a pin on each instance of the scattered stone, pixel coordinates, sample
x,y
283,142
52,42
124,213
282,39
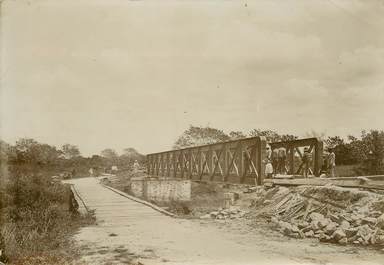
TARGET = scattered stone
x,y
338,235
310,233
375,214
302,224
324,238
214,214
295,229
330,228
364,232
343,241
345,224
205,216
315,225
316,216
323,223
350,232
285,227
369,220
380,221
274,220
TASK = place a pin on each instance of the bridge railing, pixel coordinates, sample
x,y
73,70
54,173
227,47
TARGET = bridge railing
x,y
239,161
295,153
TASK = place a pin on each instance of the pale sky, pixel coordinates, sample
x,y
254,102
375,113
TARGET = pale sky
x,y
120,74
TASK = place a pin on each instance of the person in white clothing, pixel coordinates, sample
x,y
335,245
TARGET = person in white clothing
x,y
269,169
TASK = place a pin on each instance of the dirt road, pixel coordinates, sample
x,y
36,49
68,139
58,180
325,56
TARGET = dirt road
x,y
130,232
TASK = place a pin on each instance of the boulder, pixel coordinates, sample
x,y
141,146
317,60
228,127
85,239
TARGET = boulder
x,y
379,239
214,214
375,214
307,229
294,229
324,238
297,235
316,216
369,220
274,220
345,224
338,235
285,227
315,225
205,216
343,241
302,224
310,233
364,232
323,223
335,218
330,228
350,232
380,221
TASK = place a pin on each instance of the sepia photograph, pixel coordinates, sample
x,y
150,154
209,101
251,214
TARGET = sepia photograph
x,y
180,132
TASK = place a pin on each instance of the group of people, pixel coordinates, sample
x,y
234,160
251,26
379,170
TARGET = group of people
x,y
277,158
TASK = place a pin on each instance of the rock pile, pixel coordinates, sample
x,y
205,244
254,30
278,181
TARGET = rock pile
x,y
222,214
331,214
348,228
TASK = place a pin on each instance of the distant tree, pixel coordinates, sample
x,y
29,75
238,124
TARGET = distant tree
x,y
7,152
373,145
195,136
272,136
130,155
343,150
110,155
235,135
30,151
70,151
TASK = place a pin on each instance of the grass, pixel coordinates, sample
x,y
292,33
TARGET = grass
x,y
36,219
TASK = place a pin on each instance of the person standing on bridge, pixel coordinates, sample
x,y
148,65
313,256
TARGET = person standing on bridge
x,y
269,169
332,162
275,160
136,166
268,152
307,159
282,157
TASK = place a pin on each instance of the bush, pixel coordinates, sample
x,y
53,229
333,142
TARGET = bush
x,y
35,214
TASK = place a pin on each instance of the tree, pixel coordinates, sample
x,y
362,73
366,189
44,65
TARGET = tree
x,y
272,136
343,151
235,135
30,151
130,155
195,136
373,145
70,151
109,154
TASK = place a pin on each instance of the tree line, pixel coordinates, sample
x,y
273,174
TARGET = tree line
x,y
366,150
66,158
